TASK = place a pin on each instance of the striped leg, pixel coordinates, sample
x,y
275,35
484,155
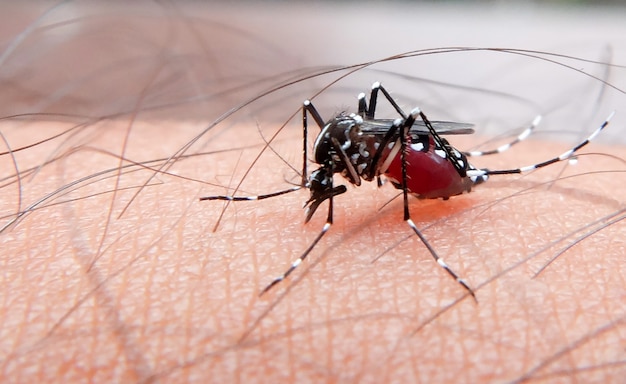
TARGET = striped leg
x,y
251,198
307,108
407,217
299,260
564,156
329,222
521,137
370,113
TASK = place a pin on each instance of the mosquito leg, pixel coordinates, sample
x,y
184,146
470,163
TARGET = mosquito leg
x,y
251,198
521,137
373,101
456,158
299,260
308,108
564,156
351,173
407,216
450,152
362,105
325,228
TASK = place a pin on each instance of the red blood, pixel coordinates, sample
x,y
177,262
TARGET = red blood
x,y
428,174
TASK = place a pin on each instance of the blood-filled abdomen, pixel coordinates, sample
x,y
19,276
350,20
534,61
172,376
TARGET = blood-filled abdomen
x,y
429,173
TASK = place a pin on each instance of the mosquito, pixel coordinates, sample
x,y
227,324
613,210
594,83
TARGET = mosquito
x,y
409,151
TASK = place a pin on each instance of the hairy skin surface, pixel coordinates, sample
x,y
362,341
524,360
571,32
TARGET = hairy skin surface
x,y
102,284
157,294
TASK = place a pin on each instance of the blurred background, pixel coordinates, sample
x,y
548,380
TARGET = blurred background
x,y
196,60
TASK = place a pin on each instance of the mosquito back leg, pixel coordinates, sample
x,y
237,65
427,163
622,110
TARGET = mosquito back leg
x,y
562,157
505,147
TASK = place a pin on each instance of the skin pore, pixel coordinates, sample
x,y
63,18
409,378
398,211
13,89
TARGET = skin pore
x,y
123,276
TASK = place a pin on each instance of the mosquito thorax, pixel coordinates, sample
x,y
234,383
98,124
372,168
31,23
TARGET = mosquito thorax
x,y
358,146
339,128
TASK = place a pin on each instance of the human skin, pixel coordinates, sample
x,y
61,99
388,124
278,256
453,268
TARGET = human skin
x,y
156,294
106,286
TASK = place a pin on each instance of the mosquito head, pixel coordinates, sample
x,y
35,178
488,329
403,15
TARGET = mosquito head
x,y
321,187
320,181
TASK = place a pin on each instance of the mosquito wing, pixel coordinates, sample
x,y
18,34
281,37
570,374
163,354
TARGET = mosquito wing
x,y
381,126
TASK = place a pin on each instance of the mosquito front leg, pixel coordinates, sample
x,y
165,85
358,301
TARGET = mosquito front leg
x,y
308,108
315,201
